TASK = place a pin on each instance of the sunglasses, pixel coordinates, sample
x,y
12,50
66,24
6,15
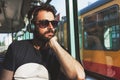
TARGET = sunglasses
x,y
45,23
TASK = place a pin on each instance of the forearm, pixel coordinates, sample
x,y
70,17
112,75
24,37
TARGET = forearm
x,y
70,66
80,71
65,60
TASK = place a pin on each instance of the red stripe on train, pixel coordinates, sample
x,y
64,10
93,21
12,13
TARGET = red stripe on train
x,y
106,70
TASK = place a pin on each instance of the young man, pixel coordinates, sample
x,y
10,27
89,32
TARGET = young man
x,y
41,58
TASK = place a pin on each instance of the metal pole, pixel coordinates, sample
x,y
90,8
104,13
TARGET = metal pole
x,y
70,23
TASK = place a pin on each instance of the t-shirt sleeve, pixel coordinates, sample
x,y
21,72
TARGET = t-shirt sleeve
x,y
9,59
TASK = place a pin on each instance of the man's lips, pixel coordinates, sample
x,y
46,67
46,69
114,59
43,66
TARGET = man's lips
x,y
49,34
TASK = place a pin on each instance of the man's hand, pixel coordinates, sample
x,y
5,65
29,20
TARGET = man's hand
x,y
53,41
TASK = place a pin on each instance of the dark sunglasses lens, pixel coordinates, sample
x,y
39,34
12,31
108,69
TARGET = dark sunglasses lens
x,y
44,23
54,23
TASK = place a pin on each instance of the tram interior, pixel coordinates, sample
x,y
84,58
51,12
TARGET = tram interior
x,y
14,23
13,18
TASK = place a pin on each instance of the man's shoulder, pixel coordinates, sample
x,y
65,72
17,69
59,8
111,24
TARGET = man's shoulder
x,y
21,43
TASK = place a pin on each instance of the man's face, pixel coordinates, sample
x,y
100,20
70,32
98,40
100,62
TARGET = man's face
x,y
48,31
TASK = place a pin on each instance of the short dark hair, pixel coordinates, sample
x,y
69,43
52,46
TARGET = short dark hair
x,y
47,7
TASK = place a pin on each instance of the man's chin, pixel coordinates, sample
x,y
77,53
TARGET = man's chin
x,y
48,38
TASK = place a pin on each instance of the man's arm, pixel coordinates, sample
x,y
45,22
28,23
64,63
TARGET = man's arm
x,y
6,75
71,67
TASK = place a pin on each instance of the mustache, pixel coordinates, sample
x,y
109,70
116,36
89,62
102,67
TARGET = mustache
x,y
50,30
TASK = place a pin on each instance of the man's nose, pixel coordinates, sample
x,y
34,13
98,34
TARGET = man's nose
x,y
50,25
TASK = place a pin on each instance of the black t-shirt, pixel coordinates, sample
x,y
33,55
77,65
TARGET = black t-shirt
x,y
23,52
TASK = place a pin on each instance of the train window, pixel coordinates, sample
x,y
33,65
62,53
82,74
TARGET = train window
x,y
112,34
98,23
5,40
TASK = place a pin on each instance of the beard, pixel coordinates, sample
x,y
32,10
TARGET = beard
x,y
41,39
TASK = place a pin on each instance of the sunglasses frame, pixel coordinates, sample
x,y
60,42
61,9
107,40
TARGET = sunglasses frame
x,y
45,23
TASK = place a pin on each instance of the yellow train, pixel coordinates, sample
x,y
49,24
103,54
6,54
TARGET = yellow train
x,y
99,37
